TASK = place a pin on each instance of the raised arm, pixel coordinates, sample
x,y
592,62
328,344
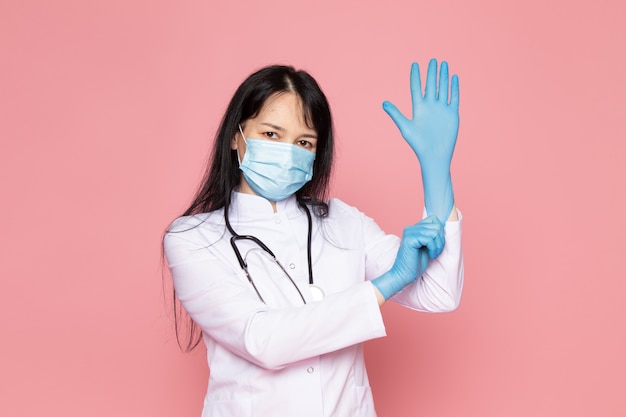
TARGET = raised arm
x,y
432,132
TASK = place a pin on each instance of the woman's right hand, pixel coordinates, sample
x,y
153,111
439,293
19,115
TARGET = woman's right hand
x,y
420,242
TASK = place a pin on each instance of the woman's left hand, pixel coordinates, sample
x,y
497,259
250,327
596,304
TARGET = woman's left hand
x,y
434,126
432,133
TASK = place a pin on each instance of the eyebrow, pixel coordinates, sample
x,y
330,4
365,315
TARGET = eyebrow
x,y
280,129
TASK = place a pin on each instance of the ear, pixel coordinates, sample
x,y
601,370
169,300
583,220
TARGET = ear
x,y
233,143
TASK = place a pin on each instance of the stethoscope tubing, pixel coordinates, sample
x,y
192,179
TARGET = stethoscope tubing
x,y
244,265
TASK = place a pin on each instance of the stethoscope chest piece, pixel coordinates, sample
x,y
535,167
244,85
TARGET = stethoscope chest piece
x,y
316,292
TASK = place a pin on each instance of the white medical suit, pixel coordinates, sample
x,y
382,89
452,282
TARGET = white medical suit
x,y
282,357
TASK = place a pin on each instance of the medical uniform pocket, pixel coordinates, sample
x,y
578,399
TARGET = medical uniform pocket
x,y
227,408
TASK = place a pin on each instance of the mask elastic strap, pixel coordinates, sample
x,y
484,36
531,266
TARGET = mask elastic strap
x,y
244,139
242,135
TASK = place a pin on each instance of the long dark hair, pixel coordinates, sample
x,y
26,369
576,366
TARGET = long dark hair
x,y
223,175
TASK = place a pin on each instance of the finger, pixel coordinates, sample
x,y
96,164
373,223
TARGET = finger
x,y
454,92
439,241
395,114
434,251
431,81
430,229
422,239
429,219
425,242
442,94
433,254
434,219
416,87
434,247
414,238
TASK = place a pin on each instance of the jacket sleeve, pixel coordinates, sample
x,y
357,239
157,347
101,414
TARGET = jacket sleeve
x,y
440,286
221,301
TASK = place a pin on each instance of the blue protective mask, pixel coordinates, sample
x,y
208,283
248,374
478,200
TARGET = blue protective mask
x,y
275,170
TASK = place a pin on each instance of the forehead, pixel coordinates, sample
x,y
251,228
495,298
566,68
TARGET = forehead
x,y
284,108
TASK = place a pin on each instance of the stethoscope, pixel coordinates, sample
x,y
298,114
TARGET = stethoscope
x,y
316,292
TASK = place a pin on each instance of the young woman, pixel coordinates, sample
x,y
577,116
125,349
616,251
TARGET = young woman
x,y
286,285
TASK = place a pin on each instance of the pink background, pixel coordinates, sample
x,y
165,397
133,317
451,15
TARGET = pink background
x,y
107,111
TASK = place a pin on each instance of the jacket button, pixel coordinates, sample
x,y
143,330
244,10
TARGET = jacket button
x,y
310,370
292,266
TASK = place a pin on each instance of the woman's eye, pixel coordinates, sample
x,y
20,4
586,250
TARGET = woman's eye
x,y
305,144
271,135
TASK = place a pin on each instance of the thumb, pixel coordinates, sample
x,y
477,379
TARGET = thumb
x,y
397,117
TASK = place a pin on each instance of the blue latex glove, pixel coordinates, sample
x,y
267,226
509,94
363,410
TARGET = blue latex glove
x,y
419,242
432,133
